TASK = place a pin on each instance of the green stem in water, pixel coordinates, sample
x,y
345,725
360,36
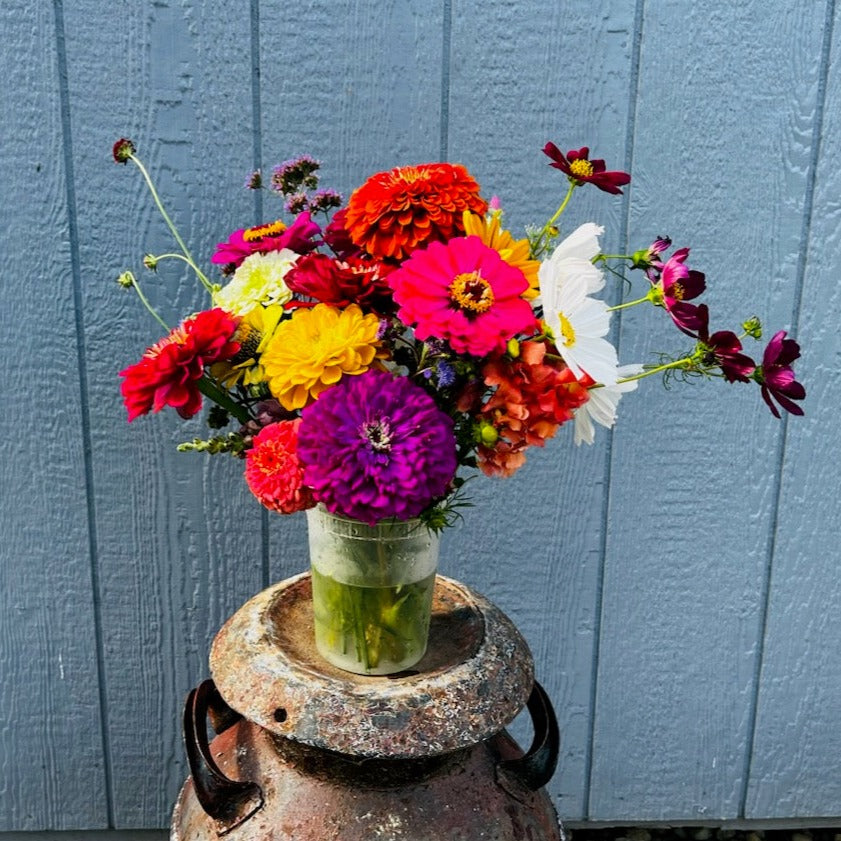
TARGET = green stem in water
x,y
169,223
210,389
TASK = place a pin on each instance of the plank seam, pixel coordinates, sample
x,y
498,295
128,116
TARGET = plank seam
x,y
446,47
802,260
630,132
257,120
81,356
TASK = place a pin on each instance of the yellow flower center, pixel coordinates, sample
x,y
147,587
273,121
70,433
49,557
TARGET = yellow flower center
x,y
677,291
581,168
271,229
407,175
249,338
470,291
567,331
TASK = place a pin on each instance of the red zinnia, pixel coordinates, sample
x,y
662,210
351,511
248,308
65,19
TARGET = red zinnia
x,y
533,397
169,371
343,282
579,167
395,212
273,472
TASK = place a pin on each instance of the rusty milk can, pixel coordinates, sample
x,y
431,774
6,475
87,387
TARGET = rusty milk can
x,y
307,752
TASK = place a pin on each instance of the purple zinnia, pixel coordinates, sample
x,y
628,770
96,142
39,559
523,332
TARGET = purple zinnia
x,y
776,376
376,446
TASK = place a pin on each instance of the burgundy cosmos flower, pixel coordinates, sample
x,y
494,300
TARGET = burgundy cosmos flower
x,y
724,350
776,376
579,167
675,286
376,446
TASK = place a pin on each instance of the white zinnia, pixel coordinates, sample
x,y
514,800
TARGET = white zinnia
x,y
259,279
602,404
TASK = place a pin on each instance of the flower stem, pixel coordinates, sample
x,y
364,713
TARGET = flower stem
x,y
538,246
629,304
685,362
145,301
181,244
200,274
210,389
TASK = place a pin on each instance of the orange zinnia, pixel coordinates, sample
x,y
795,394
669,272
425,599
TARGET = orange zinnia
x,y
395,212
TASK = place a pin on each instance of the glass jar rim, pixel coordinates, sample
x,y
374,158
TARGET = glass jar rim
x,y
388,529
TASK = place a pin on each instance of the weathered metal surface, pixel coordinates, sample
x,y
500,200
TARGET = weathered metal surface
x,y
475,678
316,795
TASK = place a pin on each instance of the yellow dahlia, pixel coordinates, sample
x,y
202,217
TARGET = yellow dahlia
x,y
315,348
515,252
253,334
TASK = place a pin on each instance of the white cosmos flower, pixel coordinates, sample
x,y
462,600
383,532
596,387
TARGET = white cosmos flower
x,y
577,322
574,256
602,404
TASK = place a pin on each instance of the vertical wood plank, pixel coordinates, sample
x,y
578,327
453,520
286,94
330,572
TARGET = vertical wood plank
x,y
51,763
357,86
533,542
721,152
794,768
179,541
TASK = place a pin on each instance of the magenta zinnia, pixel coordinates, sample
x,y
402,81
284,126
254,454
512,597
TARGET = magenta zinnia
x,y
463,292
261,239
376,446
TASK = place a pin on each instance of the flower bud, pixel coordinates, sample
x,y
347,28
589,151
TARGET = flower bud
x,y
513,348
753,327
126,280
486,434
151,262
123,150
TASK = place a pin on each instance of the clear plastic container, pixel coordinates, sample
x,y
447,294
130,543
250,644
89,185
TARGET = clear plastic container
x,y
371,590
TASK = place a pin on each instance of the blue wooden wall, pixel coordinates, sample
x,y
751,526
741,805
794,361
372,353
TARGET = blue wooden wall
x,y
678,582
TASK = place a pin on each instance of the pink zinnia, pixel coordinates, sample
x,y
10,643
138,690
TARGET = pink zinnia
x,y
264,238
462,291
273,472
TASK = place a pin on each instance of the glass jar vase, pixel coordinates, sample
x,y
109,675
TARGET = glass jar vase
x,y
371,590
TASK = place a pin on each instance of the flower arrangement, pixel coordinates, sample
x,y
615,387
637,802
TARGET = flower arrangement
x,y
373,361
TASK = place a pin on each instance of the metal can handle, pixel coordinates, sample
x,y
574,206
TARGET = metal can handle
x,y
229,802
536,767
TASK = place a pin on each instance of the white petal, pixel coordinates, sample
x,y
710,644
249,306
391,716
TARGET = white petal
x,y
582,243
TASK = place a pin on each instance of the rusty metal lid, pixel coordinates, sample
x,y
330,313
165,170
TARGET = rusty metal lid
x,y
475,677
